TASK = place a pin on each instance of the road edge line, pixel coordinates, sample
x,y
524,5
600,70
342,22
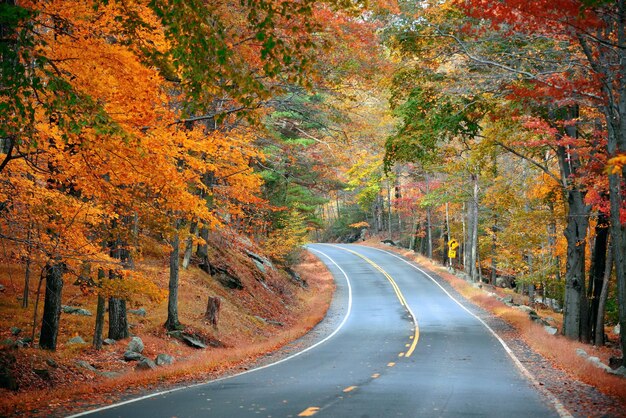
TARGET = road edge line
x,y
317,344
560,408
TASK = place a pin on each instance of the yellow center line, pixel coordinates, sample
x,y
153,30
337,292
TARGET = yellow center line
x,y
312,410
349,389
400,296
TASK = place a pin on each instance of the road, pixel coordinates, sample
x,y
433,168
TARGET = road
x,y
401,347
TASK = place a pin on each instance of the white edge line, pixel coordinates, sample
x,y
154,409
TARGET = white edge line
x,y
560,408
413,317
166,392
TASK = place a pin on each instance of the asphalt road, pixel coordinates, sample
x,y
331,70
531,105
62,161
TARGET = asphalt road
x,y
400,347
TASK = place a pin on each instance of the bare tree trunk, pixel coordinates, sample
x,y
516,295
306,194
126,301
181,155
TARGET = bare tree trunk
x,y
213,310
118,319
27,272
193,230
172,322
596,274
51,307
100,311
389,213
604,294
473,270
575,233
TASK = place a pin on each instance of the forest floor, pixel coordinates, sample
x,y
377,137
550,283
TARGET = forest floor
x,y
271,311
584,389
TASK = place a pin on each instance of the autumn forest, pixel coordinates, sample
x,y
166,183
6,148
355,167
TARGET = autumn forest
x,y
488,135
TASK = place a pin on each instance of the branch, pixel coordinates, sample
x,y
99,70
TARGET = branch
x,y
530,160
209,116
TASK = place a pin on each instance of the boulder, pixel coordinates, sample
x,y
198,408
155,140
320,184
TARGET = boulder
x,y
109,341
85,365
615,362
110,375
596,362
75,311
77,340
145,364
50,362
582,353
295,277
525,308
135,345
164,359
15,331
388,242
616,329
193,341
43,374
132,356
550,330
620,371
138,312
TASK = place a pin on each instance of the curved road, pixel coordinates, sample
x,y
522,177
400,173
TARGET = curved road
x,y
376,362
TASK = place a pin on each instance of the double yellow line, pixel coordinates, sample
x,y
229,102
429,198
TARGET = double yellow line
x,y
399,294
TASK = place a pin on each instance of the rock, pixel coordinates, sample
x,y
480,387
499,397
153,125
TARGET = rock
x,y
596,362
550,330
621,371
616,329
76,340
269,321
24,342
7,380
145,364
260,261
109,341
7,342
388,242
296,278
229,281
132,356
44,374
164,359
138,312
492,295
110,375
135,345
615,362
15,331
75,311
85,365
525,308
193,341
50,362
549,319
2,288
507,299
582,353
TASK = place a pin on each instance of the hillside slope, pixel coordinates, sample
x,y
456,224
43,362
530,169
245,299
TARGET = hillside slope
x,y
271,309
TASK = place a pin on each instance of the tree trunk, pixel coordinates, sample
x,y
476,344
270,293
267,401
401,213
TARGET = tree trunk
x,y
172,322
213,310
193,230
429,234
100,311
604,294
575,233
118,320
51,307
473,259
596,274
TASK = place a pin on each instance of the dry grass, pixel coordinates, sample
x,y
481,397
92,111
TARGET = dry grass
x,y
558,349
244,336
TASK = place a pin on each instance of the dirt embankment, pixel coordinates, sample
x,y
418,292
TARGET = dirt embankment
x,y
271,310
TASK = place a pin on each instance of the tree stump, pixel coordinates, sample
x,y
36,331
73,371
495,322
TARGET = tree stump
x,y
213,310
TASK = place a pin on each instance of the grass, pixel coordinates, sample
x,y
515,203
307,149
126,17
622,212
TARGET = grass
x,y
559,350
244,336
